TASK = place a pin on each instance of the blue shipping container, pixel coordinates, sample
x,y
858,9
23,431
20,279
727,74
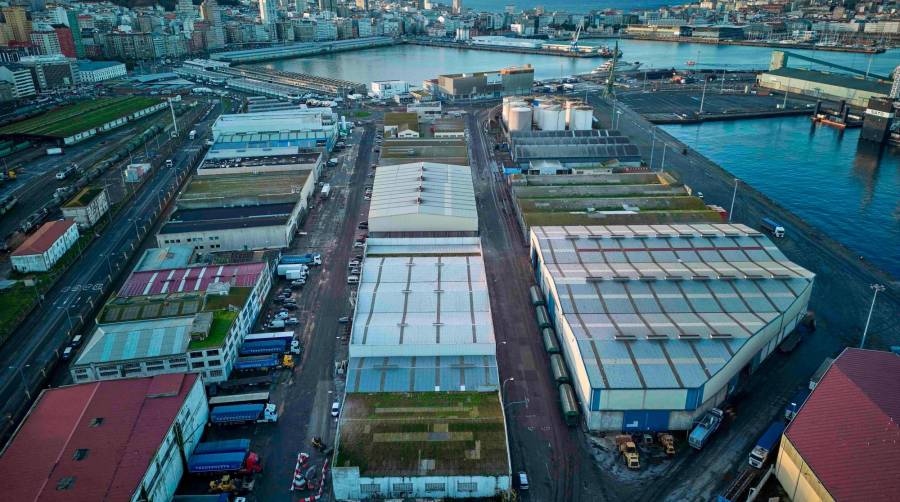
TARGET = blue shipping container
x,y
216,462
235,413
227,446
262,347
249,363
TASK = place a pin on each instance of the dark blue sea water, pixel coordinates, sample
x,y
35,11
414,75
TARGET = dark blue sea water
x,y
851,194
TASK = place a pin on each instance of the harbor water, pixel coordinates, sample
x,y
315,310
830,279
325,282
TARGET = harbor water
x,y
852,195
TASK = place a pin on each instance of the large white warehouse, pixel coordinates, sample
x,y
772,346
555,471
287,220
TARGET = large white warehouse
x,y
423,197
659,323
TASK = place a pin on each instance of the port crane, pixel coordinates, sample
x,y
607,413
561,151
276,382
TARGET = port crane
x,y
574,45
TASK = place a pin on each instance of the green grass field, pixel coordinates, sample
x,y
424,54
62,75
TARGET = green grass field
x,y
79,117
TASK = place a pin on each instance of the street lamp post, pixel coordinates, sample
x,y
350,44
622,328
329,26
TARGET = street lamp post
x,y
733,197
24,382
877,288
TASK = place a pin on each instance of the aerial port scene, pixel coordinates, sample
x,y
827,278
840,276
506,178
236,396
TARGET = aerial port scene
x,y
422,250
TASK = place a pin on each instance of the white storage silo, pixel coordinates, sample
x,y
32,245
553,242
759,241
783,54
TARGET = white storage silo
x,y
540,113
582,118
520,118
554,118
506,102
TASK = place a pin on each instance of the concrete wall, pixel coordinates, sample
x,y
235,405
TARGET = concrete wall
x,y
855,97
232,239
796,477
166,468
349,485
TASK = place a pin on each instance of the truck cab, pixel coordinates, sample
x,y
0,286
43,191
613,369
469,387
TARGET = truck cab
x,y
705,428
766,445
169,163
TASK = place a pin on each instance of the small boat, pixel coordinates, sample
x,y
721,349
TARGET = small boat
x,y
606,52
691,62
620,66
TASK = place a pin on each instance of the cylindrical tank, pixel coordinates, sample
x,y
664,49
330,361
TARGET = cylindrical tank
x,y
582,118
506,102
520,119
554,118
540,113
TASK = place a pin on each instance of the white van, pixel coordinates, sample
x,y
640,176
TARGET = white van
x,y
353,279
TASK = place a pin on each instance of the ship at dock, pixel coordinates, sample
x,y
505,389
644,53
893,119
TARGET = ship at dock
x,y
621,66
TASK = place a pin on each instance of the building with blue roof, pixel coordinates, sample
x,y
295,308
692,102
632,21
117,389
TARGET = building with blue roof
x,y
658,323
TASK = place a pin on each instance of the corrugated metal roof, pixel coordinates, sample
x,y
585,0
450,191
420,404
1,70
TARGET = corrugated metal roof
x,y
422,374
426,305
137,340
177,280
665,306
423,188
119,425
848,431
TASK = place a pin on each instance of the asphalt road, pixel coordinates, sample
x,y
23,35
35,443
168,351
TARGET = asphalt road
x,y
841,299
554,456
304,394
35,348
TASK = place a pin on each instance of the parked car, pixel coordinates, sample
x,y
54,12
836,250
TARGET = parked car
x,y
67,354
291,321
523,480
363,225
335,409
344,320
282,315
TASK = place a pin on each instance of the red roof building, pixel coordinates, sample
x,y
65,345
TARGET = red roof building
x,y
96,441
186,279
844,443
45,247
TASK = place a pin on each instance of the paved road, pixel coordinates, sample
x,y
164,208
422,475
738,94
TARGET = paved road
x,y
554,456
34,349
304,394
841,298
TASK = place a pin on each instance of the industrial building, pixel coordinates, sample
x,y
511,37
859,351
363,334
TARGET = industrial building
x,y
422,348
642,198
304,128
175,320
387,89
423,197
234,212
435,446
259,153
45,247
258,87
842,445
443,150
571,152
658,323
853,86
401,125
485,85
122,440
87,207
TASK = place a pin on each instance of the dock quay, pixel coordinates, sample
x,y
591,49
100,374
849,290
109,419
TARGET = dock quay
x,y
684,106
504,48
757,43
300,49
312,83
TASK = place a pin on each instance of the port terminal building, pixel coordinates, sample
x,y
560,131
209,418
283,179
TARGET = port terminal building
x,y
658,323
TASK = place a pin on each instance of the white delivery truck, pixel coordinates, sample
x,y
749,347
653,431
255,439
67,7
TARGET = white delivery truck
x,y
192,135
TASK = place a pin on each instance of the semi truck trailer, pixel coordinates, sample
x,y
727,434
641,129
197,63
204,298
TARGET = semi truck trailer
x,y
243,413
766,445
773,227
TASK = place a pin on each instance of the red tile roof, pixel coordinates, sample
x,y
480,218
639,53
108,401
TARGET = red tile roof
x,y
848,431
43,238
177,280
136,414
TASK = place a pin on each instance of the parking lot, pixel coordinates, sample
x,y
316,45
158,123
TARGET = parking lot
x,y
304,394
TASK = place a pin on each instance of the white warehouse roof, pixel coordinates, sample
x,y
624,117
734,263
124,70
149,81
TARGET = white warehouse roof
x,y
303,119
413,302
423,197
667,306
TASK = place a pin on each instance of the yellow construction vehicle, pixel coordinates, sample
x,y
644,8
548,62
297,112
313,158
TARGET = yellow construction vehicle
x,y
629,451
287,361
226,484
667,442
